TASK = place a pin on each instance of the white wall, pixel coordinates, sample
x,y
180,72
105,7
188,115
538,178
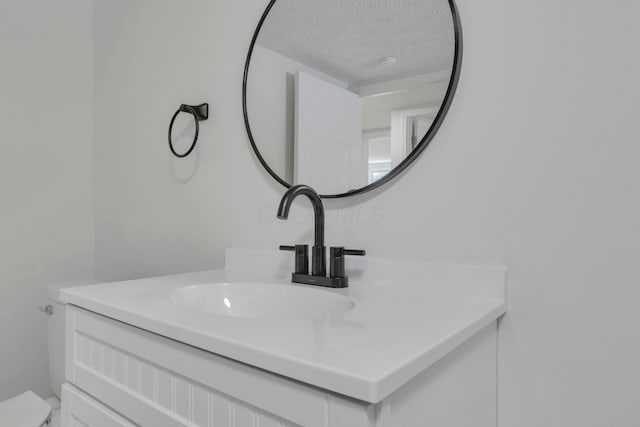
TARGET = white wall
x,y
535,168
46,210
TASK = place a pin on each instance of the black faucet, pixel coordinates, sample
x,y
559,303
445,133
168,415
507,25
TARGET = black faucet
x,y
318,264
318,276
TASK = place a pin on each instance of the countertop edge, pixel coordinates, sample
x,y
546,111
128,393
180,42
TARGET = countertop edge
x,y
364,389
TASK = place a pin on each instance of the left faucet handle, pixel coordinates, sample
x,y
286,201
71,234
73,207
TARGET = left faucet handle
x,y
301,257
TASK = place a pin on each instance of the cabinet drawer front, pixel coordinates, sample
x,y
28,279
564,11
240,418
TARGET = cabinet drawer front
x,y
155,381
79,410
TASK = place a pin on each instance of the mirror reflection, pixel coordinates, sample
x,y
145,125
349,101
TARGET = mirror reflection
x,y
339,93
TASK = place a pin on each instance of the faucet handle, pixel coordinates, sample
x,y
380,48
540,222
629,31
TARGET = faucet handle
x,y
337,255
301,257
355,252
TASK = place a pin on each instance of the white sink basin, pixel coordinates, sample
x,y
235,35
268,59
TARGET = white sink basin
x,y
262,300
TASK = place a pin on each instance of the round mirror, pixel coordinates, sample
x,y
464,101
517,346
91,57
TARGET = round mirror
x,y
343,95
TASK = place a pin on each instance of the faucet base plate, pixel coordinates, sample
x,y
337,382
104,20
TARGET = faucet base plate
x,y
327,282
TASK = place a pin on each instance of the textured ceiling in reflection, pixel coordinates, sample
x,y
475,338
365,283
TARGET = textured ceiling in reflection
x,y
349,40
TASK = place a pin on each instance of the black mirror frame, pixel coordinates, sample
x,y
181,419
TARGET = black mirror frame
x,y
437,122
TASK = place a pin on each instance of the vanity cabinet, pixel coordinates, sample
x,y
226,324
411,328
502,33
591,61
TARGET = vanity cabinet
x,y
120,375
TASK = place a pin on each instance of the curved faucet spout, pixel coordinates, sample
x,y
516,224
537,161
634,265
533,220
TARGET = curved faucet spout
x,y
316,202
318,261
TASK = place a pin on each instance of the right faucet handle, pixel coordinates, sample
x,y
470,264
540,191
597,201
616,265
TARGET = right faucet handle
x,y
337,255
355,252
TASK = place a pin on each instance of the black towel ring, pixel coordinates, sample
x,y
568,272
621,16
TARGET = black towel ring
x,y
199,113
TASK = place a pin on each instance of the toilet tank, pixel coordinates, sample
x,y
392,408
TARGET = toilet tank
x,y
55,333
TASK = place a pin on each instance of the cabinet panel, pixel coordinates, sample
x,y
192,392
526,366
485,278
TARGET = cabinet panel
x,y
143,376
460,390
190,403
79,410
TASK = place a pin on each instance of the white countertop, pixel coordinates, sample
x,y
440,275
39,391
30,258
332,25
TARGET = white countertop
x,y
407,315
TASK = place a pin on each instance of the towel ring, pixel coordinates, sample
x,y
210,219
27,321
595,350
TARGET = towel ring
x,y
199,113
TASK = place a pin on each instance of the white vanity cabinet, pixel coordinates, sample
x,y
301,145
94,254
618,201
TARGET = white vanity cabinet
x,y
119,375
